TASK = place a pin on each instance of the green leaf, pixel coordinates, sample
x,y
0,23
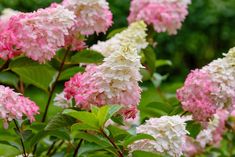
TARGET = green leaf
x,y
156,109
118,133
87,56
68,73
150,57
59,121
39,75
82,127
11,143
118,119
193,128
61,134
145,74
113,109
136,138
83,116
9,78
161,62
146,154
89,148
102,115
114,32
94,139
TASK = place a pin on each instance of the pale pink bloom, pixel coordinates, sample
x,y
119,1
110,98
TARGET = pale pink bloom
x,y
191,148
38,35
15,106
91,15
6,15
210,88
164,15
220,129
214,129
196,95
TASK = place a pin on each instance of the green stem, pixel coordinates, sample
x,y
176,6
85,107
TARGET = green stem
x,y
21,138
120,154
5,65
54,86
77,148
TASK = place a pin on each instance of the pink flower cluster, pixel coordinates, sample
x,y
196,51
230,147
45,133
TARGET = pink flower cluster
x,y
210,88
15,106
38,35
196,96
163,15
115,81
91,15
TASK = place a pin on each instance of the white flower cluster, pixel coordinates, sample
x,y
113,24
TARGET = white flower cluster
x,y
169,132
134,35
222,73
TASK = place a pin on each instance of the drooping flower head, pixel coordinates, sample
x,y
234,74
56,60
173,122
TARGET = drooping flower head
x,y
164,15
113,82
210,88
38,35
15,106
91,15
169,133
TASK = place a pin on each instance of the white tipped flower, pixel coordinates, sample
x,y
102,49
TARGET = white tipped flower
x,y
7,14
135,35
169,133
61,101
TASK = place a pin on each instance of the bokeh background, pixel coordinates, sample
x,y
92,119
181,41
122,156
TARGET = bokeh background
x,y
207,33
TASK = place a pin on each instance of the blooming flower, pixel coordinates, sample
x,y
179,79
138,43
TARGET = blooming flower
x,y
61,101
169,133
135,34
113,82
91,15
210,88
164,15
48,28
15,106
195,95
214,130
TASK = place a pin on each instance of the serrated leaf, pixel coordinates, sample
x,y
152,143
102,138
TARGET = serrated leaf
x,y
68,73
87,56
9,78
137,137
39,75
59,121
83,116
